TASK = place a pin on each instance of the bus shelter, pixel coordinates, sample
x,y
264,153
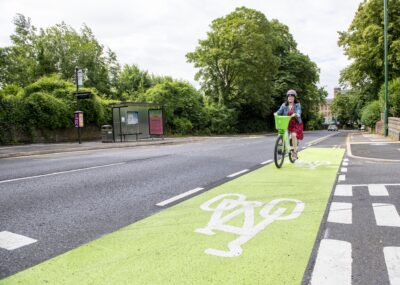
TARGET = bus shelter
x,y
133,121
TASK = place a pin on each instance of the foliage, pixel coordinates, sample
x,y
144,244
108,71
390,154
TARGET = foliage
x,y
346,107
393,97
247,63
236,61
58,49
363,43
180,99
371,113
220,119
315,122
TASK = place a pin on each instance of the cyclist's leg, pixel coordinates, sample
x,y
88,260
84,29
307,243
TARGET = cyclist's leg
x,y
294,143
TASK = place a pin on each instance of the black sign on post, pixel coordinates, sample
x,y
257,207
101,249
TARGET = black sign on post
x,y
83,95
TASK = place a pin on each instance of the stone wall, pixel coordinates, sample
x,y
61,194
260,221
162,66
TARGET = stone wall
x,y
393,126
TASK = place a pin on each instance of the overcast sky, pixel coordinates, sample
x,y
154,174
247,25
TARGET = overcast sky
x,y
157,34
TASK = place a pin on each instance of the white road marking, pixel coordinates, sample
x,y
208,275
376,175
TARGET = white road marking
x,y
61,172
180,196
340,213
386,215
342,177
237,173
343,169
345,164
11,241
346,159
377,190
266,162
392,259
344,190
333,264
319,140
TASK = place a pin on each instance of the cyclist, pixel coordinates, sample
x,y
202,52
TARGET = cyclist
x,y
293,106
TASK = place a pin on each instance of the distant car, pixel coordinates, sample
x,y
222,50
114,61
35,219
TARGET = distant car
x,y
362,128
332,128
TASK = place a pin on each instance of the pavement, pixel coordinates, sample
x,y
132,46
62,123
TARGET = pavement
x,y
373,147
359,145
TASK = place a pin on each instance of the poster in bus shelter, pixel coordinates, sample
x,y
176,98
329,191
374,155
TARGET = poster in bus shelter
x,y
156,126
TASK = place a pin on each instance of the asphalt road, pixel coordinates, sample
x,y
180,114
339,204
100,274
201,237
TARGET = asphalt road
x,y
67,199
362,215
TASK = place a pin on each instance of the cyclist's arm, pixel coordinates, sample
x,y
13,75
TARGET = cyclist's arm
x,y
281,110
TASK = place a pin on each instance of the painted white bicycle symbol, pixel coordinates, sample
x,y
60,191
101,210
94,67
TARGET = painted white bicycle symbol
x,y
237,205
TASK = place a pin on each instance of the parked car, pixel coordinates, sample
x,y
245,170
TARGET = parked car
x,y
332,128
362,128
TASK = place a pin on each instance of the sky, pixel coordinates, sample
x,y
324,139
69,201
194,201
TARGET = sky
x,y
157,34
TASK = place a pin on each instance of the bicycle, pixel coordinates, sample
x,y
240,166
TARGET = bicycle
x,y
283,142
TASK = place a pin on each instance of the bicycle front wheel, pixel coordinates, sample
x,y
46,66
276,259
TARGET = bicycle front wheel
x,y
280,150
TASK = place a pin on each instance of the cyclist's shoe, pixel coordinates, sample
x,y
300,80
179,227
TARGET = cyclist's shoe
x,y
294,155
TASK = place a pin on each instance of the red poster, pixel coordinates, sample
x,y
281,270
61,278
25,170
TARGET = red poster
x,y
156,122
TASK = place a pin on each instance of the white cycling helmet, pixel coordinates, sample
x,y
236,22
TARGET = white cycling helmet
x,y
292,92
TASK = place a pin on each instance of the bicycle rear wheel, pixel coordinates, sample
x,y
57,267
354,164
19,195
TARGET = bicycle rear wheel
x,y
279,153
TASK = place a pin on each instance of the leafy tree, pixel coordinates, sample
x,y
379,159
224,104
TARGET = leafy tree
x,y
132,82
393,97
346,108
58,49
236,62
180,100
371,113
363,44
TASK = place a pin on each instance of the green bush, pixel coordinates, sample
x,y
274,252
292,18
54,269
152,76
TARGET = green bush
x,y
371,113
181,125
221,120
44,111
393,97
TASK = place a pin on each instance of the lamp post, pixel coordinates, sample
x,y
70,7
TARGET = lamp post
x,y
385,16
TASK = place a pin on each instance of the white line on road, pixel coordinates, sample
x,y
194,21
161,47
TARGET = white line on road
x,y
386,215
343,169
180,196
392,259
61,172
266,162
319,140
346,159
340,213
377,190
345,164
11,241
344,190
333,264
342,177
237,173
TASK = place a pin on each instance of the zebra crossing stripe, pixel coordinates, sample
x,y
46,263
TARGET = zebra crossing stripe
x,y
333,264
340,213
344,190
386,215
377,190
392,259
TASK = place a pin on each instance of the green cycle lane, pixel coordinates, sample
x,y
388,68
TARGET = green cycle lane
x,y
257,229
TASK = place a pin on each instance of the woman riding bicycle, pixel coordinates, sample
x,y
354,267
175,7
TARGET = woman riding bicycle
x,y
293,106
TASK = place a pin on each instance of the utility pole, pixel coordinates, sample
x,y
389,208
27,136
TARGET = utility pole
x,y
385,19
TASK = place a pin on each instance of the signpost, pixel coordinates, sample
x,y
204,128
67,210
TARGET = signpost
x,y
78,115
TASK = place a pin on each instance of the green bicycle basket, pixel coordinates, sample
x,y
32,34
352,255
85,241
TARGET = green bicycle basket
x,y
282,122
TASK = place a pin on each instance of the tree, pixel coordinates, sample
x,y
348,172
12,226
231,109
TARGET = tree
x,y
346,108
236,62
371,113
180,100
58,49
363,44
